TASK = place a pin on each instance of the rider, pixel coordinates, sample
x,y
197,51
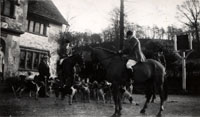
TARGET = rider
x,y
132,50
69,50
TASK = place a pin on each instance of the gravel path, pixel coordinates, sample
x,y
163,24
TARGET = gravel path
x,y
176,106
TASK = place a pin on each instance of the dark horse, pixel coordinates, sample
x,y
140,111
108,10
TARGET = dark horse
x,y
151,72
66,70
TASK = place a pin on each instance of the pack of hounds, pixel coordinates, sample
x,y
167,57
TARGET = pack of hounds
x,y
82,89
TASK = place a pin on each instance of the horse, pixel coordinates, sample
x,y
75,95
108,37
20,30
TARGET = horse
x,y
150,72
65,70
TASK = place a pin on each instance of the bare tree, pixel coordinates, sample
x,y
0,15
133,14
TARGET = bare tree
x,y
189,14
161,33
155,31
96,38
115,18
172,31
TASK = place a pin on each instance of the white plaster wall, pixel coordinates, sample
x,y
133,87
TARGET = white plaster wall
x,y
43,42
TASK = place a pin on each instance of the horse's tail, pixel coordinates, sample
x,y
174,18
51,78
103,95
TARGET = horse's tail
x,y
158,67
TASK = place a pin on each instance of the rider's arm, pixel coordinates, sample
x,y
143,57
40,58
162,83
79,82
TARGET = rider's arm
x,y
129,46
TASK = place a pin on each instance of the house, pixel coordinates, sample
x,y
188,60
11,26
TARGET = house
x,y
31,33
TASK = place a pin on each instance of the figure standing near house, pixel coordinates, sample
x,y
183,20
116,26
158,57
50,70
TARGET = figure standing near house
x,y
1,63
44,74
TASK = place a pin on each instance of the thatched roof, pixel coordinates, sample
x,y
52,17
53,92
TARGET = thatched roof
x,y
46,9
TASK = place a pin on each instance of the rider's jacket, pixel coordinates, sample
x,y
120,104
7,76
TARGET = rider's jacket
x,y
132,50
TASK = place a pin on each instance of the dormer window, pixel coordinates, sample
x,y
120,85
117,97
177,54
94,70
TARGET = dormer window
x,y
37,27
8,8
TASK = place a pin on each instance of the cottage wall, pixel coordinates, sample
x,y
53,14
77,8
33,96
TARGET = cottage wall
x,y
15,24
12,27
48,42
14,35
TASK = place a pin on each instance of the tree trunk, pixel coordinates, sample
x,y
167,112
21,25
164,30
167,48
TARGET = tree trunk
x,y
197,35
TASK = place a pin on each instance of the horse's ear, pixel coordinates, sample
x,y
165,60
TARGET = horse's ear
x,y
80,53
90,47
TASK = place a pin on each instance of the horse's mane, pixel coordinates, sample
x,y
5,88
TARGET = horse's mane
x,y
106,50
107,53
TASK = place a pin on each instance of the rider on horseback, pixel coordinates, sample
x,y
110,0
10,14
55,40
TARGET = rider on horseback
x,y
69,50
132,51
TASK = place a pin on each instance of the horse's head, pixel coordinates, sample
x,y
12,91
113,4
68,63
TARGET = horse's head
x,y
78,58
91,55
87,54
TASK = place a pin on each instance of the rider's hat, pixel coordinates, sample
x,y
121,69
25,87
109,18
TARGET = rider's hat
x,y
129,33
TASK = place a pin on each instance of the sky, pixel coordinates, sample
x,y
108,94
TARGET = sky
x,y
94,15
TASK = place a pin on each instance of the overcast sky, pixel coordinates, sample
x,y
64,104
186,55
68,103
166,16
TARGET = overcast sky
x,y
94,15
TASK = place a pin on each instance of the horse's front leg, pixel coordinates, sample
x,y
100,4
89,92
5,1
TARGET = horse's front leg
x,y
120,103
116,104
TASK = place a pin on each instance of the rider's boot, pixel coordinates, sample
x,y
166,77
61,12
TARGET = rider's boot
x,y
130,73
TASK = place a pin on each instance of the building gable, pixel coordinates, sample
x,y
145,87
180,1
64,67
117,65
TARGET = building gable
x,y
46,9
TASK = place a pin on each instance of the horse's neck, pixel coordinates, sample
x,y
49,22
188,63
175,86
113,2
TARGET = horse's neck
x,y
107,59
73,60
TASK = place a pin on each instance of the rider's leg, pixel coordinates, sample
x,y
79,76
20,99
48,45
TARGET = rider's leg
x,y
130,63
129,69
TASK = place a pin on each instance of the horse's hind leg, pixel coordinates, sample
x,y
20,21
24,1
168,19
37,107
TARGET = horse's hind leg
x,y
148,97
154,93
162,99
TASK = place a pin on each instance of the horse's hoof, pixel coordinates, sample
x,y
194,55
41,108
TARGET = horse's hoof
x,y
115,115
159,115
142,111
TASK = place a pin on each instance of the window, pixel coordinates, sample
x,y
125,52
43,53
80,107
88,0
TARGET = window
x,y
7,8
37,27
30,58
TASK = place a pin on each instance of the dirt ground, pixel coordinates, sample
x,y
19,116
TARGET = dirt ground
x,y
24,107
